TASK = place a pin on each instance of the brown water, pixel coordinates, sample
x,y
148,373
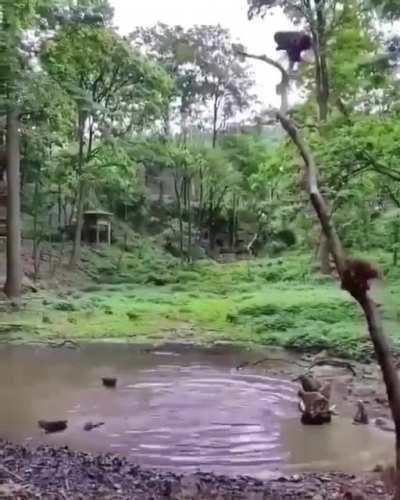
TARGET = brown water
x,y
189,410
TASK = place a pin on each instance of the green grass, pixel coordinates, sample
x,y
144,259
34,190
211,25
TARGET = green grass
x,y
150,297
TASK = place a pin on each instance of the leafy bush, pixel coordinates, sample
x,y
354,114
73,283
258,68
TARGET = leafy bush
x,y
65,306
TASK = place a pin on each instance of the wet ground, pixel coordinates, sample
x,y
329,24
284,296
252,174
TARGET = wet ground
x,y
180,410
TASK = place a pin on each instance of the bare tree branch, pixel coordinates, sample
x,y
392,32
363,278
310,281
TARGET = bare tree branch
x,y
316,198
283,87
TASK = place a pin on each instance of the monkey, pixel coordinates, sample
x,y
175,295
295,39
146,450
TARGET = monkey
x,y
294,43
314,402
326,390
361,416
309,384
314,408
356,276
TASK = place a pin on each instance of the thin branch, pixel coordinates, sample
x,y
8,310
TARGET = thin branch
x,y
283,87
265,59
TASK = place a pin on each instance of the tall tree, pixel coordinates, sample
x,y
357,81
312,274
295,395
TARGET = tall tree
x,y
225,80
171,47
116,92
14,18
210,80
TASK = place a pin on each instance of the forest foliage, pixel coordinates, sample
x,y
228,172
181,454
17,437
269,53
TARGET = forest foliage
x,y
98,111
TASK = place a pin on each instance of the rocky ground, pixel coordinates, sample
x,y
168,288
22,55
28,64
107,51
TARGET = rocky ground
x,y
61,474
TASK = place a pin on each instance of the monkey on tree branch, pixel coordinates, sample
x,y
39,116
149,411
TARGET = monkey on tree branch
x,y
293,43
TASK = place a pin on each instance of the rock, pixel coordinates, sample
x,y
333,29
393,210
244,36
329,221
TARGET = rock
x,y
110,382
384,424
89,426
51,426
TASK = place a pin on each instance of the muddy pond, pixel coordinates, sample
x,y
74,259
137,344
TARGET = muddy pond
x,y
188,410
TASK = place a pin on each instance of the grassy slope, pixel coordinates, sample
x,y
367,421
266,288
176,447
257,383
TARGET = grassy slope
x,y
149,297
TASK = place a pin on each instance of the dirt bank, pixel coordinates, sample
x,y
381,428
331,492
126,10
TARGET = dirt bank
x,y
62,474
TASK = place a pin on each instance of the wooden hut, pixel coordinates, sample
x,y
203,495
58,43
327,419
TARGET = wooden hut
x,y
97,227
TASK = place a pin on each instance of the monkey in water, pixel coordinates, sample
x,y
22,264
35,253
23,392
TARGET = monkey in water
x,y
361,416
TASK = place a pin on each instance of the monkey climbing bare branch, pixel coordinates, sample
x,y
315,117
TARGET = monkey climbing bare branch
x,y
283,87
347,270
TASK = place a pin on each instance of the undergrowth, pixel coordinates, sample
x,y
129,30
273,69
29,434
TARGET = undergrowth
x,y
142,294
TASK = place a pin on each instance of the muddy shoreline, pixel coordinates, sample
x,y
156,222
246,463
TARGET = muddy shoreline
x,y
59,474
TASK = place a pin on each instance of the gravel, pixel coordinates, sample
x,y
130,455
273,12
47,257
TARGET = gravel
x,y
61,474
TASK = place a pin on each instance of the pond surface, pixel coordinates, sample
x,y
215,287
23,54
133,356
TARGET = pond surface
x,y
185,410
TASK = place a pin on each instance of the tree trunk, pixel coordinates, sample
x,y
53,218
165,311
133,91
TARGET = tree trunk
x,y
215,122
13,283
282,89
167,121
59,206
179,205
211,222
76,248
201,199
233,224
189,216
36,239
396,242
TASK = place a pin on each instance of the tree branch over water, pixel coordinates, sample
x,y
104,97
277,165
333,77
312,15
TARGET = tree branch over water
x,y
350,282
